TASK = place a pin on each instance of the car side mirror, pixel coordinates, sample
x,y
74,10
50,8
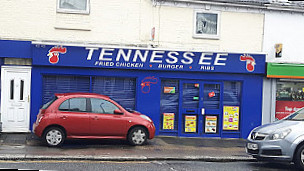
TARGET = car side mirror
x,y
117,111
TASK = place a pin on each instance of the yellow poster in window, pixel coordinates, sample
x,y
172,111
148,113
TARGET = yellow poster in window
x,y
231,118
168,121
210,124
190,123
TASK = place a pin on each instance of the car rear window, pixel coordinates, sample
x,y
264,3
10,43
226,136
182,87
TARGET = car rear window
x,y
45,106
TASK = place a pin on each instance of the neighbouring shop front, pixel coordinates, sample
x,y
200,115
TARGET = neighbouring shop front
x,y
185,93
289,87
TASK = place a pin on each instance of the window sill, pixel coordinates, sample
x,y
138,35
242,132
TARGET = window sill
x,y
215,37
73,12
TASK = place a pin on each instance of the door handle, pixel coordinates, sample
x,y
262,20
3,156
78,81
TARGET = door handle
x,y
95,118
63,117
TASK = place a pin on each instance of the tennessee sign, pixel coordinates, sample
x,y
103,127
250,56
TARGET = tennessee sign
x,y
149,59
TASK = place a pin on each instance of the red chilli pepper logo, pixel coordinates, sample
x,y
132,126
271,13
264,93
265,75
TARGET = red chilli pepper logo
x,y
146,84
54,54
250,62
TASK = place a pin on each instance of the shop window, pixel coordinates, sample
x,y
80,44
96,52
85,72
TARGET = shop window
x,y
73,6
289,97
64,84
232,93
231,106
206,24
211,96
190,94
122,90
169,104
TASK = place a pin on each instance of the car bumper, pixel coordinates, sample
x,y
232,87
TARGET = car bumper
x,y
270,150
37,130
151,129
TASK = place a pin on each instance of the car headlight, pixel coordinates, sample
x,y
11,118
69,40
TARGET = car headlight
x,y
146,117
280,134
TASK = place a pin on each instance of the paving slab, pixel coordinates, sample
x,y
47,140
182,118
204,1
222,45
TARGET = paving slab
x,y
29,147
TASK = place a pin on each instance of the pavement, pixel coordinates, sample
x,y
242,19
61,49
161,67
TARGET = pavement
x,y
28,147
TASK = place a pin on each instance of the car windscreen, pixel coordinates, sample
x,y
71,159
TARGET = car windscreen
x,y
46,105
297,116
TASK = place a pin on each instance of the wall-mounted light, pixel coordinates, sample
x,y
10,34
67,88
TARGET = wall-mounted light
x,y
153,34
278,50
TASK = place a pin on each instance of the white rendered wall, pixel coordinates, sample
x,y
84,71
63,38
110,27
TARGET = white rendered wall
x,y
119,22
286,28
239,31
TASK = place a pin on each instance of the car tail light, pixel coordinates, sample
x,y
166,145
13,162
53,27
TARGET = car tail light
x,y
39,119
42,111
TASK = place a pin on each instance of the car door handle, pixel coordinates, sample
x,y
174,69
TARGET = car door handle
x,y
63,117
95,118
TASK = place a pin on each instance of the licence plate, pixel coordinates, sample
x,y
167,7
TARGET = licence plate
x,y
252,146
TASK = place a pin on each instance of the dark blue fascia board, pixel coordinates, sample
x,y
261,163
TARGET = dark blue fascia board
x,y
15,49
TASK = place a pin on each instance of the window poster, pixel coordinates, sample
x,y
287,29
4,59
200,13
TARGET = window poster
x,y
210,124
169,90
190,123
231,118
168,121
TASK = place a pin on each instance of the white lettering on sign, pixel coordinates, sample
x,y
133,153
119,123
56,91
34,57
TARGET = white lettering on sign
x,y
291,109
171,56
207,68
218,58
189,58
157,54
91,50
165,59
164,66
142,57
106,52
203,59
129,65
121,53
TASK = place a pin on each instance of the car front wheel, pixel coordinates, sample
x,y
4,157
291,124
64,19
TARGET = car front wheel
x,y
137,136
299,158
54,137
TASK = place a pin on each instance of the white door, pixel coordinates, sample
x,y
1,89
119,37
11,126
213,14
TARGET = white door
x,y
15,98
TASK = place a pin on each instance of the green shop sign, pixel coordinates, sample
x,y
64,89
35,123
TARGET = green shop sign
x,y
285,70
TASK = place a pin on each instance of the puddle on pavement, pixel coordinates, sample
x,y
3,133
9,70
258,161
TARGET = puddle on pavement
x,y
5,147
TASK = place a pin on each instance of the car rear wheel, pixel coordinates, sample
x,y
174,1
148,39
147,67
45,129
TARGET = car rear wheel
x,y
54,136
137,136
299,158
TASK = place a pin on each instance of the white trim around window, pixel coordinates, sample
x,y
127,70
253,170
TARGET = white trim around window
x,y
73,6
206,24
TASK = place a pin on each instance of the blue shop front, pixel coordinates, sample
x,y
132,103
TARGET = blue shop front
x,y
185,93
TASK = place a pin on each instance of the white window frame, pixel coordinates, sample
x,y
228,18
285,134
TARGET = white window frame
x,y
206,36
86,11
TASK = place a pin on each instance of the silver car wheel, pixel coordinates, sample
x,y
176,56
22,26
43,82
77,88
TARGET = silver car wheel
x,y
138,137
53,137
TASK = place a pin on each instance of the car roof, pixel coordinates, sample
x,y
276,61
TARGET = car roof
x,y
75,94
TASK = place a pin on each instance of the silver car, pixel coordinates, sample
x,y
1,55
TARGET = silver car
x,y
282,140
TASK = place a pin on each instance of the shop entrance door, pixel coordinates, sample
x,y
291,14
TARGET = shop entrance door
x,y
200,108
15,98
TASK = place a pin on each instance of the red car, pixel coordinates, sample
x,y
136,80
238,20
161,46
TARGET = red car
x,y
92,116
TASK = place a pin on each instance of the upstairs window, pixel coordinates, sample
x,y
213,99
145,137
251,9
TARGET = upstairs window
x,y
73,6
206,24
